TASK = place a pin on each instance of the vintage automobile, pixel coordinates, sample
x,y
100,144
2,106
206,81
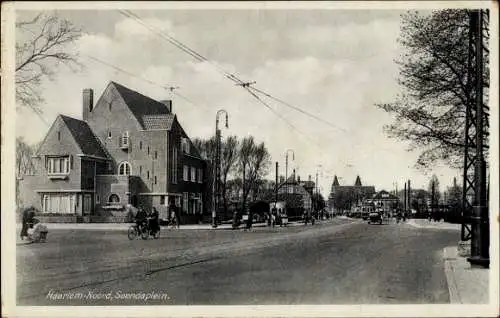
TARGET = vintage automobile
x,y
375,217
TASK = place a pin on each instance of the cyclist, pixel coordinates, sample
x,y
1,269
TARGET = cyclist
x,y
140,217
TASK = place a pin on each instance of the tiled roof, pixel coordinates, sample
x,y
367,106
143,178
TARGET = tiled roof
x,y
140,105
84,137
158,121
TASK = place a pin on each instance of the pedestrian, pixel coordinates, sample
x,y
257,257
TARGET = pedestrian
x,y
26,219
250,220
174,210
154,223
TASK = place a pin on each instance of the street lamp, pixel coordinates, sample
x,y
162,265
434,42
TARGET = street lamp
x,y
286,170
216,167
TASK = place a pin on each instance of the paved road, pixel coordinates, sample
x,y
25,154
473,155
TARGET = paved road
x,y
336,263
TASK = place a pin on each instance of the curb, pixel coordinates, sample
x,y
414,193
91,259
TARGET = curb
x,y
434,227
450,254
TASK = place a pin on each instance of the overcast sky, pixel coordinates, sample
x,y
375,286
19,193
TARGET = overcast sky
x,y
335,64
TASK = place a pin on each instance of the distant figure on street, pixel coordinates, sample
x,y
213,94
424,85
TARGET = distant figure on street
x,y
174,212
28,215
154,220
250,220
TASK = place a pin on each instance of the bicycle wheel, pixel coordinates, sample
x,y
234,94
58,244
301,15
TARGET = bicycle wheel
x,y
157,234
145,233
132,232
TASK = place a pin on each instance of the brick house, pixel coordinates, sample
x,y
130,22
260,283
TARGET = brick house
x,y
128,149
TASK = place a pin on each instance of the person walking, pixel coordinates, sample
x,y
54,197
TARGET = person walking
x,y
27,215
174,211
250,220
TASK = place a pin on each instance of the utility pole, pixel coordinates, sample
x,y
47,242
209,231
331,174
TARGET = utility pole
x,y
276,186
405,200
409,197
286,170
480,236
216,167
433,195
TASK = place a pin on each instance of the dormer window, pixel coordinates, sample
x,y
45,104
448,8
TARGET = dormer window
x,y
109,134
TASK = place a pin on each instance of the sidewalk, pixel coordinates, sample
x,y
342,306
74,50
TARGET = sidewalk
x,y
466,285
125,226
424,223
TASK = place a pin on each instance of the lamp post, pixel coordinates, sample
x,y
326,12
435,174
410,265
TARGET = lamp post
x,y
286,169
216,167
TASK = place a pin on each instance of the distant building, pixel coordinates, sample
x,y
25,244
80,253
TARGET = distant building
x,y
348,196
384,201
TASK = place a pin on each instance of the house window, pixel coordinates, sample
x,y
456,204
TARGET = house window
x,y
97,199
140,145
140,170
114,198
124,169
58,165
174,165
148,150
200,175
155,179
193,174
156,154
124,141
186,173
148,174
109,134
162,200
59,203
185,202
58,135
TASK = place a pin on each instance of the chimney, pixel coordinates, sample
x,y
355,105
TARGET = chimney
x,y
167,103
88,103
298,179
310,178
293,175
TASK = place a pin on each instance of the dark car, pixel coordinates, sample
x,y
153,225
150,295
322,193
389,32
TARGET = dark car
x,y
375,217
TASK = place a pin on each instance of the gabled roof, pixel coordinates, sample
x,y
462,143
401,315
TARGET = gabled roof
x,y
140,105
384,195
158,121
84,137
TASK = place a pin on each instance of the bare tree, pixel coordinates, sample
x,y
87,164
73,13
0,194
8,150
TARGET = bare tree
x,y
24,162
430,113
434,189
253,164
42,45
229,156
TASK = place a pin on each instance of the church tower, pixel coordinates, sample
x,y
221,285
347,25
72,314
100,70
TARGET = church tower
x,y
358,182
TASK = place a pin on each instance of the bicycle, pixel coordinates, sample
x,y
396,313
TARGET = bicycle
x,y
138,229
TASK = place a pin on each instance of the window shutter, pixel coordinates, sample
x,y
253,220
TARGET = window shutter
x,y
71,161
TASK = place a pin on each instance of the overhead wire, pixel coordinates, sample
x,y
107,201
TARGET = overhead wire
x,y
202,58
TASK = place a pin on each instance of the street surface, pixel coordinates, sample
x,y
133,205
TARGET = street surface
x,y
340,262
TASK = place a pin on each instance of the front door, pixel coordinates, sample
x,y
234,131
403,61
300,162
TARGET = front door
x,y
87,204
